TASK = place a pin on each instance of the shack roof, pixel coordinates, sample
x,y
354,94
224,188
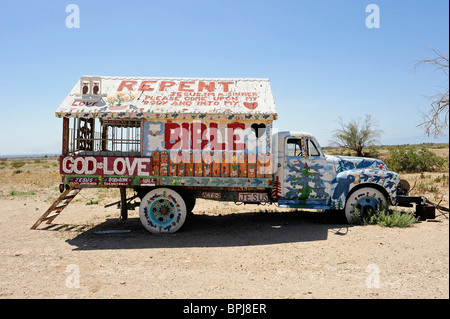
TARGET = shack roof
x,y
169,98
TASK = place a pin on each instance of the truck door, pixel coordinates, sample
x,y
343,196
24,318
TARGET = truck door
x,y
307,175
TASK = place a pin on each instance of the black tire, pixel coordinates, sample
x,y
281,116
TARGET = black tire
x,y
190,203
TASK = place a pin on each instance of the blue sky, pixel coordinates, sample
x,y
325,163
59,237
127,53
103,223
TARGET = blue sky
x,y
322,60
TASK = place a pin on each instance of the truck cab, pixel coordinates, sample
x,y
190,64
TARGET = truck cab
x,y
305,177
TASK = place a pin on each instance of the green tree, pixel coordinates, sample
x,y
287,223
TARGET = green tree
x,y
357,134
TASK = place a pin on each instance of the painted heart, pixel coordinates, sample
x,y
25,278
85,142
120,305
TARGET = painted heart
x,y
259,129
251,106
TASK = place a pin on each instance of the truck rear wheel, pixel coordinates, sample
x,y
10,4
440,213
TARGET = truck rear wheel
x,y
366,199
162,210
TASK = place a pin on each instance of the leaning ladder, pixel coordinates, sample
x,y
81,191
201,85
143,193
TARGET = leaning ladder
x,y
57,207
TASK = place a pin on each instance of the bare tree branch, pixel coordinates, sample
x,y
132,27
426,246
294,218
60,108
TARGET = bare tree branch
x,y
436,119
440,62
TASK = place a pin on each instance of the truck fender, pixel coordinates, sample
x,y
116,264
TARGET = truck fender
x,y
346,182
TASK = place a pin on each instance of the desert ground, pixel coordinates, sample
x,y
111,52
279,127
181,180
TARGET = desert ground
x,y
224,250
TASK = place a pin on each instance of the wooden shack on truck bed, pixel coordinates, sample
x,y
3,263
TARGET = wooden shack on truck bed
x,y
183,133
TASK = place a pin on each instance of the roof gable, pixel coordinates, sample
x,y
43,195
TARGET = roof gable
x,y
151,97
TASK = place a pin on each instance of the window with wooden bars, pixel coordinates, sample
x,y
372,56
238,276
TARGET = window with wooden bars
x,y
102,137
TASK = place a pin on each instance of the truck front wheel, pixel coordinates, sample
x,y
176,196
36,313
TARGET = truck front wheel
x,y
366,200
162,210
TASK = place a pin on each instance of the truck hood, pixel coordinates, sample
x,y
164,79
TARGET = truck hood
x,y
345,163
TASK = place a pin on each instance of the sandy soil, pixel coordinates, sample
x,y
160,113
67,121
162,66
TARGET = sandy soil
x,y
224,251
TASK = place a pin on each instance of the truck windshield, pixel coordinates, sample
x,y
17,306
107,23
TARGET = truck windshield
x,y
312,149
294,147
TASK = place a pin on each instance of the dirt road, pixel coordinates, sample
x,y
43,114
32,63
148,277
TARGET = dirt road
x,y
225,251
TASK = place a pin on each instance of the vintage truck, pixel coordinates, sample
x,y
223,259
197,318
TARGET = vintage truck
x,y
173,140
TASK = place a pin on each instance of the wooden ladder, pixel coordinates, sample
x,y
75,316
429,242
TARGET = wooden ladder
x,y
57,207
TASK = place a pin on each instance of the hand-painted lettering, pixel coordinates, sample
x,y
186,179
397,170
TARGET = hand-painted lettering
x,y
127,84
97,165
199,136
181,86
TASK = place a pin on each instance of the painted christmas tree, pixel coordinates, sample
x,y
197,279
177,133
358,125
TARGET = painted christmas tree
x,y
276,190
339,205
341,167
301,176
331,203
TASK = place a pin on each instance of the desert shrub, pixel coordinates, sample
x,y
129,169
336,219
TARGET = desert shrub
x,y
439,146
14,192
92,202
372,152
427,188
395,218
444,180
385,217
347,153
17,164
413,159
